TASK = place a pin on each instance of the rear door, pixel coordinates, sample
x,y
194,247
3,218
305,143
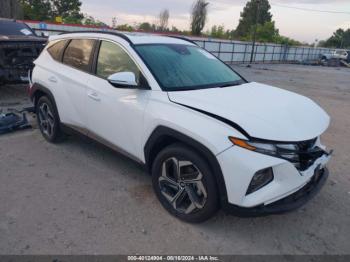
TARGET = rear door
x,y
73,80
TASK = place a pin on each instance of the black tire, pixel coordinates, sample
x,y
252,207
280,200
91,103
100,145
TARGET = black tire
x,y
209,200
52,119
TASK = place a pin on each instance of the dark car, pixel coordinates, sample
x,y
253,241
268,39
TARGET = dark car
x,y
19,47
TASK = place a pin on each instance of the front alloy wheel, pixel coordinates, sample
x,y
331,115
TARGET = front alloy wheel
x,y
184,183
181,184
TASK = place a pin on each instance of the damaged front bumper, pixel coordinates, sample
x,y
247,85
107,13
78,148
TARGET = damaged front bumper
x,y
290,187
14,75
16,59
289,203
10,122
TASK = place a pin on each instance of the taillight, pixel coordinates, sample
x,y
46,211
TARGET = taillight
x,y
30,83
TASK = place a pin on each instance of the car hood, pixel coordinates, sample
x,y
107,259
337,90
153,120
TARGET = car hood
x,y
21,38
263,111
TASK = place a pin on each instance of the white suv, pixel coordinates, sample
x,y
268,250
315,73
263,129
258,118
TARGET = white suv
x,y
209,138
336,54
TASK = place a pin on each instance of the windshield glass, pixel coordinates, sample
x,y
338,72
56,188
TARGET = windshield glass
x,y
183,67
13,28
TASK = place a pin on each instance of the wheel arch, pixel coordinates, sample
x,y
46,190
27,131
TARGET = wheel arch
x,y
163,136
38,91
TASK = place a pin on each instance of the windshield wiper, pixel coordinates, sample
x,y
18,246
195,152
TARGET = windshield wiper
x,y
237,83
225,85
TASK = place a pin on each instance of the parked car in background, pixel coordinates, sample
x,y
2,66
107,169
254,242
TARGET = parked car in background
x,y
336,54
19,47
209,138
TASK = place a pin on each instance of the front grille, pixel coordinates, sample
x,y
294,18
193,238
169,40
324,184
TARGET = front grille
x,y
303,156
307,145
308,153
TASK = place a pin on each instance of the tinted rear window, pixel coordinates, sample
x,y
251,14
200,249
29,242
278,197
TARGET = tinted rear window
x,y
13,28
56,49
78,53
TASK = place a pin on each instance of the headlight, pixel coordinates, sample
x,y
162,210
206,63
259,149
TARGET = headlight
x,y
286,151
265,148
300,154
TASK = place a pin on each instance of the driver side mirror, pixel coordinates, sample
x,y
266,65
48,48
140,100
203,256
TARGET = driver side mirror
x,y
123,79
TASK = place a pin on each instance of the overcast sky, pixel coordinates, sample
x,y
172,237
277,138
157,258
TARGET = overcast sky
x,y
298,24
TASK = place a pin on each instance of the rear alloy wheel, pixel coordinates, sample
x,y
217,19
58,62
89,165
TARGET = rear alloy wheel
x,y
48,120
184,184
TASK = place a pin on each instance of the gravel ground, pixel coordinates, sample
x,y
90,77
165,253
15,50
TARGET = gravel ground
x,y
79,197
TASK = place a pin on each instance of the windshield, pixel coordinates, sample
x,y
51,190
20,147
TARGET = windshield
x,y
182,67
13,28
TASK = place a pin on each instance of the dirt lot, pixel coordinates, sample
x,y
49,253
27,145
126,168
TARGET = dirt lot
x,y
81,198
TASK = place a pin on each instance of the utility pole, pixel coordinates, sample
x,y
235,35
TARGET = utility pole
x,y
114,22
342,41
255,28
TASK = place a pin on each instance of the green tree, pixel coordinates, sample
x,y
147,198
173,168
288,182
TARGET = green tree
x,y
218,31
69,10
125,27
339,39
47,10
266,32
255,11
174,29
199,16
147,27
322,43
163,20
90,20
283,40
36,9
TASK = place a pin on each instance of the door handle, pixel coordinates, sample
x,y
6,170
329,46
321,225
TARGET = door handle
x,y
93,95
52,79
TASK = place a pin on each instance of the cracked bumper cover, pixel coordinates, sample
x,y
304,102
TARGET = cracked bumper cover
x,y
289,203
289,189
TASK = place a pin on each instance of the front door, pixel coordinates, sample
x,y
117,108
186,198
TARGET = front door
x,y
114,114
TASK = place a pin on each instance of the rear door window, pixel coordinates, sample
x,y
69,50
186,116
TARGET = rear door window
x,y
78,54
55,50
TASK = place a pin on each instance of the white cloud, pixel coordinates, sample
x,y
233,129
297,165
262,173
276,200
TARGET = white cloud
x,y
345,25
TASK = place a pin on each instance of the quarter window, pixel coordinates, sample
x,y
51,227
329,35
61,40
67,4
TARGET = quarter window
x,y
113,59
78,53
55,50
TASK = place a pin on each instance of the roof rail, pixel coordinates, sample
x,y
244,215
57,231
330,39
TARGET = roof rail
x,y
183,38
121,35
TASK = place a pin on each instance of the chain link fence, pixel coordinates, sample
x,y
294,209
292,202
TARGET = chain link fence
x,y
240,52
